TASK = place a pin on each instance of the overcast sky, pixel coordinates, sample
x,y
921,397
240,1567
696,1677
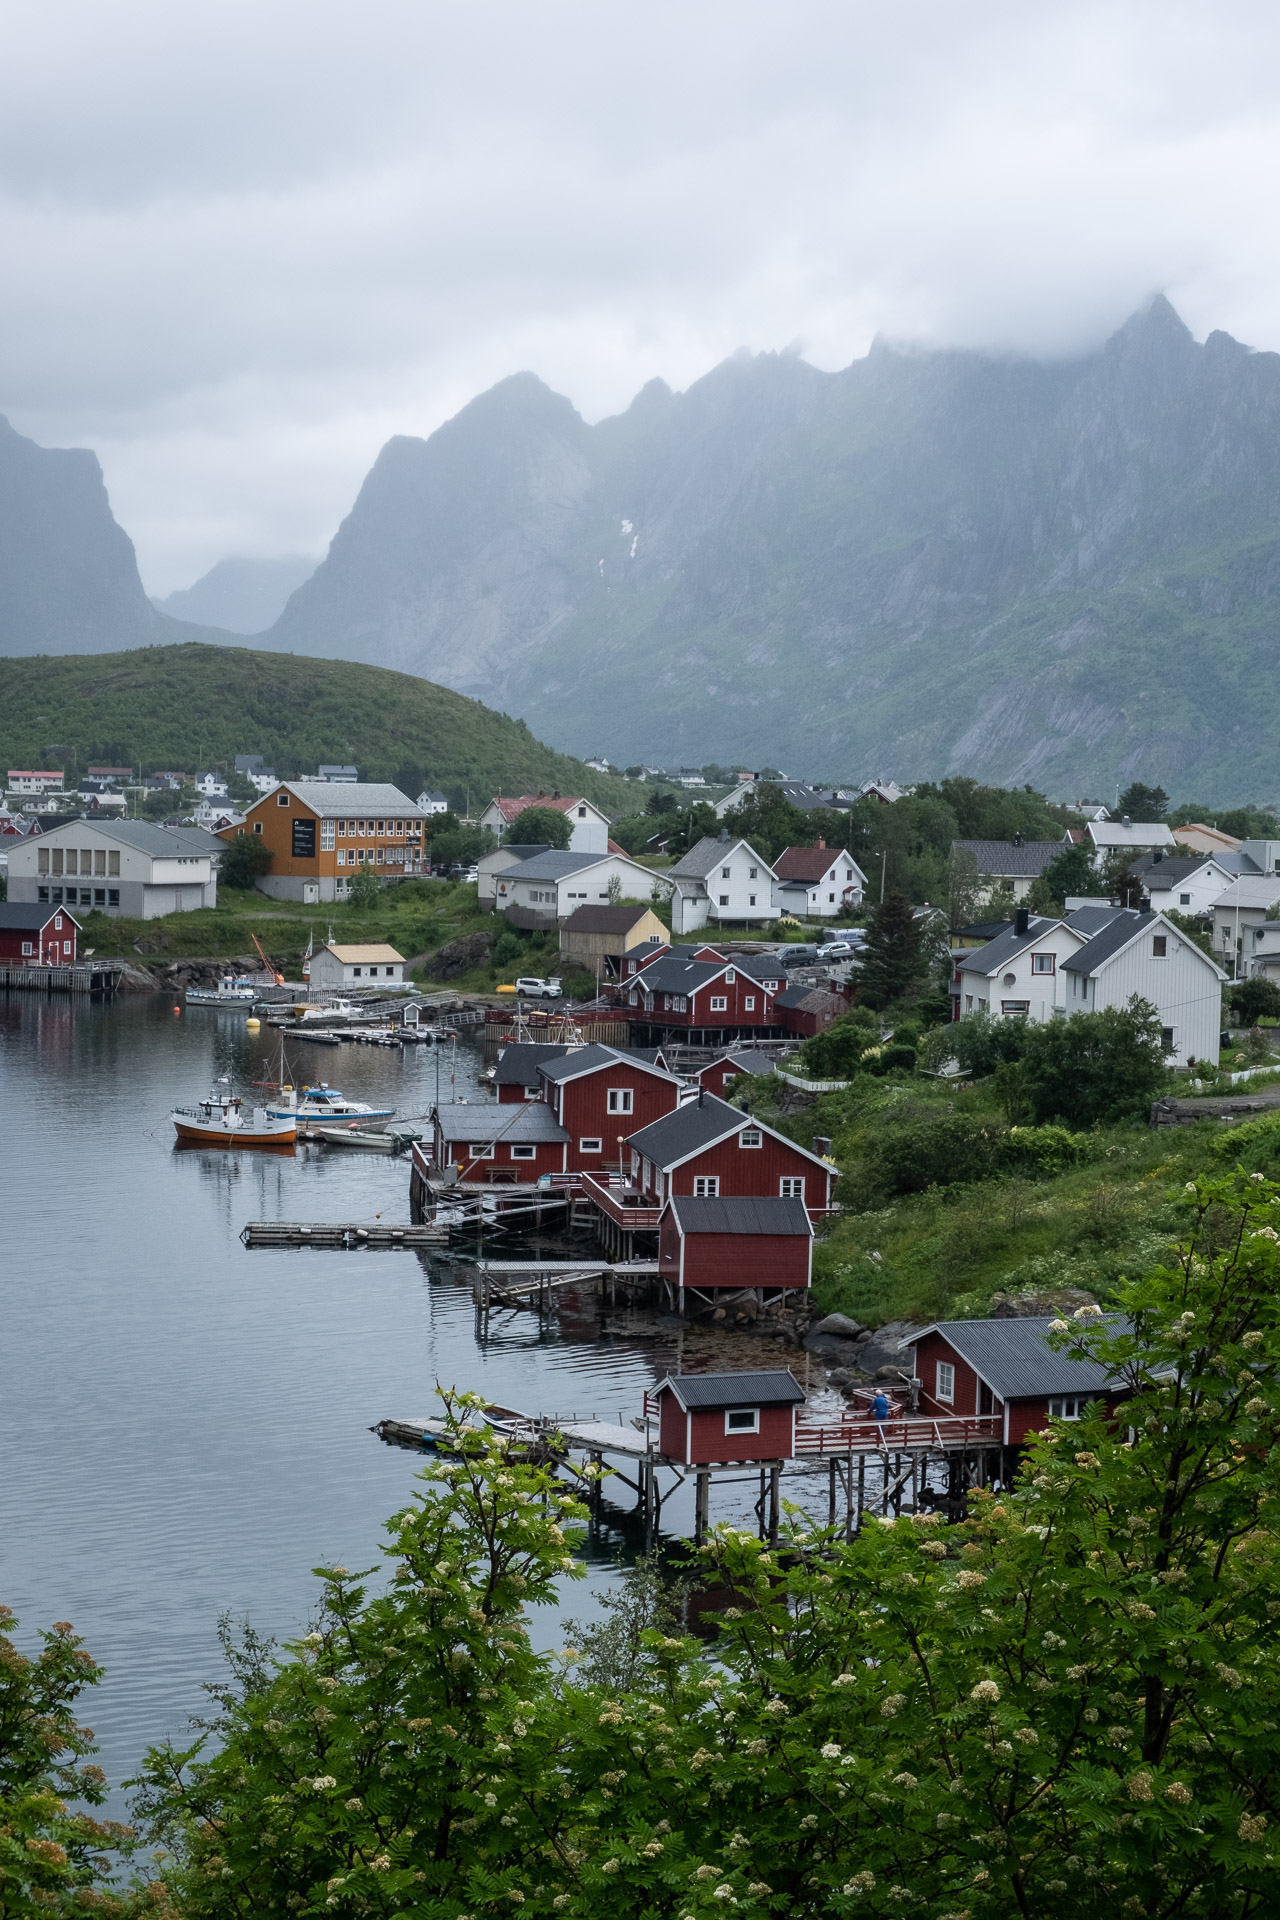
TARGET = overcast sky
x,y
244,243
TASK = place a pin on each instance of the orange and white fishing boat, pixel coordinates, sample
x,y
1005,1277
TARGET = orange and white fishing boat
x,y
222,1119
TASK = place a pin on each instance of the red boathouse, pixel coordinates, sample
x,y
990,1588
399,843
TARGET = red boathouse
x,y
37,935
713,1419
708,1245
1005,1369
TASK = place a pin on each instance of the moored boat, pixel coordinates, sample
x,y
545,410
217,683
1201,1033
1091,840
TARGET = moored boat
x,y
231,990
222,1119
326,1104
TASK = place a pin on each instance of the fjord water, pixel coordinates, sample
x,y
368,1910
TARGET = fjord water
x,y
184,1425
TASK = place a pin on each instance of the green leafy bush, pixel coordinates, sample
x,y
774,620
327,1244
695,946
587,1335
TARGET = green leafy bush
x,y
246,859
982,1042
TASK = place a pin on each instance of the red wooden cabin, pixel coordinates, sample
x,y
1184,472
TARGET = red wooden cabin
x,y
498,1144
709,1149
707,1245
706,1419
599,1095
37,935
720,1075
808,1010
516,1075
698,990
1006,1368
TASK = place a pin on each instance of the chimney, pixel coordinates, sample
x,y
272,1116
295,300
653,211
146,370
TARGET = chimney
x,y
1017,839
1125,821
1021,922
723,834
1159,856
820,843
821,1144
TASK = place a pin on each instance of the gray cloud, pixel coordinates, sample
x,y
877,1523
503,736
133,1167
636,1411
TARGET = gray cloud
x,y
245,244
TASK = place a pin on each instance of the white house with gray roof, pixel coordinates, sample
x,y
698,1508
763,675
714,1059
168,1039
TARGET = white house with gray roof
x,y
721,880
1018,975
1010,863
547,888
1239,916
118,867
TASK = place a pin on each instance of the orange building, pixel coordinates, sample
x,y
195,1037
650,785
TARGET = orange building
x,y
319,833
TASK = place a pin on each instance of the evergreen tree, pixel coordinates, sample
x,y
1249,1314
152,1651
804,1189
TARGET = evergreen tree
x,y
1142,802
893,957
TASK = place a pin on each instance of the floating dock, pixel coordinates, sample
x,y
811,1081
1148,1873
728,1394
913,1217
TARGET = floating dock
x,y
103,981
340,1233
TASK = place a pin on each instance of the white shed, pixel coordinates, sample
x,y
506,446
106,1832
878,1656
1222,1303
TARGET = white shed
x,y
362,966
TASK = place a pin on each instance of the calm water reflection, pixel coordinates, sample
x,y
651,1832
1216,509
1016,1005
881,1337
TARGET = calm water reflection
x,y
184,1425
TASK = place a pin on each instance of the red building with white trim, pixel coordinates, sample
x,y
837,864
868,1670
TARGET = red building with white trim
x,y
1006,1369
710,1419
709,1149
695,991
34,934
708,1245
600,1095
497,1145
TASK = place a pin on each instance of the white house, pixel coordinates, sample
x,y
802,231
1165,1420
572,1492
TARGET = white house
x,y
1188,885
1263,954
721,880
501,860
1239,912
432,802
550,886
25,780
117,867
589,827
250,766
1018,974
818,882
1147,955
1011,864
356,966
211,785
1128,836
335,776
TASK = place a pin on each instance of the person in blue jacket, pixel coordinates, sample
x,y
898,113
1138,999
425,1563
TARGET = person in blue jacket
x,y
879,1405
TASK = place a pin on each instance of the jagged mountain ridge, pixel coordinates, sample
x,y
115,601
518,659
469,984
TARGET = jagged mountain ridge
x,y
930,561
241,594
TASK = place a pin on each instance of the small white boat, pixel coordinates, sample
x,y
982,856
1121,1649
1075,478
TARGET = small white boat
x,y
331,1010
222,1119
230,991
327,1105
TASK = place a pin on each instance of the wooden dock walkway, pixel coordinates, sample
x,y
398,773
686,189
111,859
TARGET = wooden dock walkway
x,y
102,980
534,1284
341,1233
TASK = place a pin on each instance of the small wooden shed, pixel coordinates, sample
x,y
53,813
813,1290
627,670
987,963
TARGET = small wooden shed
x,y
602,936
709,1419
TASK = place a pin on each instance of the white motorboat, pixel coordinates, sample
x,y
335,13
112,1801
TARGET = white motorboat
x,y
325,1104
231,991
331,1010
222,1119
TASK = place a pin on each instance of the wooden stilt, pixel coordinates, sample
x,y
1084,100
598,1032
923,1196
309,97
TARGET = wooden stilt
x,y
775,1476
831,1495
701,1503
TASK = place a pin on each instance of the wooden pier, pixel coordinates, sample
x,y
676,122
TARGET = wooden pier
x,y
101,981
340,1233
534,1284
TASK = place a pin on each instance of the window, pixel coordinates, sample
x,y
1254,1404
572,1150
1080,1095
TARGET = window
x,y
1043,962
99,896
742,1420
355,973
719,1003
633,999
1166,1039
831,897
26,947
58,922
1015,1007
66,948
57,896
724,899
524,1153
1184,899
113,896
100,862
730,977
945,1382
770,986
620,1099
1159,946
753,873
1073,1407
282,799
482,1153
42,893
791,1187
42,859
57,860
724,873
594,1145
751,900
72,860
582,813
328,828
706,1186
749,1004
257,827
751,1137
342,856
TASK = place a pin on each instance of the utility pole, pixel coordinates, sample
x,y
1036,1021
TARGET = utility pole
x,y
883,858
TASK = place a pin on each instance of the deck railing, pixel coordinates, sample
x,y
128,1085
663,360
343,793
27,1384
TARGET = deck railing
x,y
901,1434
622,1202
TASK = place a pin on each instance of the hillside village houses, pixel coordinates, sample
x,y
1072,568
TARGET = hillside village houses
x,y
128,867
34,781
1188,884
1009,865
589,827
251,767
1040,968
432,802
818,882
719,880
321,831
540,892
1241,917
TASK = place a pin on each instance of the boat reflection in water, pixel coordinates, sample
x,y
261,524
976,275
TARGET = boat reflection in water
x,y
221,1119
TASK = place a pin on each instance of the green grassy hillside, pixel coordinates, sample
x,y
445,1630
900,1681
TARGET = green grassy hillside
x,y
194,706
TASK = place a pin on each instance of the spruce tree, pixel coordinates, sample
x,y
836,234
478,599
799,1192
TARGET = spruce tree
x,y
893,957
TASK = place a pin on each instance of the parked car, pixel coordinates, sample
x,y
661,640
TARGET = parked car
x,y
534,987
837,950
797,956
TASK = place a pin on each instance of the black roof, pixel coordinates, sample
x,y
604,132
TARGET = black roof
x,y
1120,932
1006,946
483,1125
588,1059
778,1388
1087,921
673,975
1015,1360
735,1215
28,916
520,1061
745,1059
698,1123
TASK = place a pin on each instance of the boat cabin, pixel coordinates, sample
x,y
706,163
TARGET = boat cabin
x,y
1006,1368
709,1419
711,1244
720,1075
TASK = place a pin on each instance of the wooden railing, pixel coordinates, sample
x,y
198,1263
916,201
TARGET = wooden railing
x,y
896,1434
621,1202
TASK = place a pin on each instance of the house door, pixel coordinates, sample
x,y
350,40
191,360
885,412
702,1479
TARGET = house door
x,y
986,1399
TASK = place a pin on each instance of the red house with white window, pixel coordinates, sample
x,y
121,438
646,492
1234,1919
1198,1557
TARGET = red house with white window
x,y
599,1095
37,935
691,991
1006,1371
722,1074
708,1245
708,1149
709,1419
498,1145
516,1075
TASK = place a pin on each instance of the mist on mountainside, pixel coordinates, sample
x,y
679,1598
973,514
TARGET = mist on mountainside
x,y
240,594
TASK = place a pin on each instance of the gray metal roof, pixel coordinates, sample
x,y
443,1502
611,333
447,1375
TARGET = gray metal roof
x,y
29,917
1006,947
760,966
1002,859
1169,870
1251,890
669,975
518,1066
479,1125
350,796
697,1124
1015,1360
709,853
746,1059
806,998
578,1060
173,843
778,1388
1090,920
734,1215
1103,945
558,865
605,919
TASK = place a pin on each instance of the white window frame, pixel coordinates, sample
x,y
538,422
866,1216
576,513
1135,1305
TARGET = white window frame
x,y
791,1186
719,1003
521,1151
1159,946
706,1186
944,1383
1068,1406
1043,963
479,1153
741,1420
27,948
620,1100
730,977
749,1004
751,1137
591,1144
724,873
327,828
282,799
